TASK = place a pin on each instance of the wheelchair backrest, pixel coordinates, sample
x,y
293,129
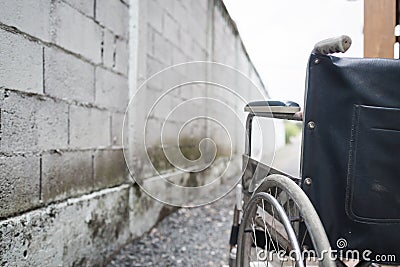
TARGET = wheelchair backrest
x,y
351,150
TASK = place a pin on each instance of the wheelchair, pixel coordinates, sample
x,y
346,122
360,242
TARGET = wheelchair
x,y
345,206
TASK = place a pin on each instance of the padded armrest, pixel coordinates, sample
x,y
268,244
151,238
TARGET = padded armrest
x,y
272,106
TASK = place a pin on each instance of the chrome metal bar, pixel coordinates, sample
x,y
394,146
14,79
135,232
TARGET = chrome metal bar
x,y
283,116
249,123
292,238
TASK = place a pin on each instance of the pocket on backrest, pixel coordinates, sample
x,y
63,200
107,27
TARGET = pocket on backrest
x,y
373,182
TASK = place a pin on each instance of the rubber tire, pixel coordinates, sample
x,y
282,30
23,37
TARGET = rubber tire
x,y
311,219
251,207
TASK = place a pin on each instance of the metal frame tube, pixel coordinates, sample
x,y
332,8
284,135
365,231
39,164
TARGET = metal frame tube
x,y
249,122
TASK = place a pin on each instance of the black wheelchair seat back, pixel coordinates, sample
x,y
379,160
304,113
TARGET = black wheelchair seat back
x,y
351,151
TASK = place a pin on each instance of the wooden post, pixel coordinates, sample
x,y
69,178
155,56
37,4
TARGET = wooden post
x,y
379,23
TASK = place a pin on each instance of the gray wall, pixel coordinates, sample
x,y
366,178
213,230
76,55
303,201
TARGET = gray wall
x,y
64,89
176,32
65,196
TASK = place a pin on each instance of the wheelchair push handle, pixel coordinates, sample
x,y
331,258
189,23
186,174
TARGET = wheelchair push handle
x,y
333,45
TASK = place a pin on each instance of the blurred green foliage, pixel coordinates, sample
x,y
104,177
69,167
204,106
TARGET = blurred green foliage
x,y
292,129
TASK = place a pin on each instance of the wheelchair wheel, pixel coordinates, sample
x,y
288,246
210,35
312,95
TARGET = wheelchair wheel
x,y
262,239
266,236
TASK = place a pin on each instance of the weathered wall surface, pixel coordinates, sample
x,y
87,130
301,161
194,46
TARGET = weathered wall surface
x,y
63,94
65,196
172,33
62,100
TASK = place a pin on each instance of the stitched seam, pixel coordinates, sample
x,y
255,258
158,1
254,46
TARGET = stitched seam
x,y
350,167
351,173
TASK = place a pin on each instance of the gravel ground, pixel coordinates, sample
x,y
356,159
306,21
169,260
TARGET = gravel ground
x,y
188,237
199,236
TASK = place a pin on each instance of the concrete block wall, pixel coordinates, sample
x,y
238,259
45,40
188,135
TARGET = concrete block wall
x,y
268,134
65,196
78,232
63,94
171,32
174,32
62,102
177,32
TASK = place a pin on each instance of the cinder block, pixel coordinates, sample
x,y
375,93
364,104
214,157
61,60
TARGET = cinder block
x,y
150,40
66,174
52,124
177,56
181,14
21,63
68,77
113,14
186,41
2,97
86,7
152,132
201,53
155,15
109,168
31,17
117,120
141,219
202,3
171,29
161,104
30,124
89,127
162,49
84,231
156,82
198,12
122,56
19,184
174,79
199,34
18,123
188,4
108,48
169,5
111,90
76,32
153,66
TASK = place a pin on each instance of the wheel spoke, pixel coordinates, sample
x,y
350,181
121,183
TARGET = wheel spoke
x,y
304,237
270,236
265,225
254,237
274,227
281,214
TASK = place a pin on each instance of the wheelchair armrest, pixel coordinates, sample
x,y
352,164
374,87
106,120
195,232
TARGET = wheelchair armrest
x,y
272,106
